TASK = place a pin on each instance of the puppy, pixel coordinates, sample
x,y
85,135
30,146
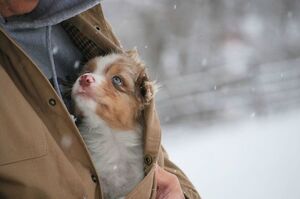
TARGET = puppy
x,y
109,98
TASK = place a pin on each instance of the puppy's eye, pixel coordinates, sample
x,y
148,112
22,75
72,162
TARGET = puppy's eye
x,y
116,80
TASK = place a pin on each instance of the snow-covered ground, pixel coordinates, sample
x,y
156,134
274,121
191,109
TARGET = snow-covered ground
x,y
255,158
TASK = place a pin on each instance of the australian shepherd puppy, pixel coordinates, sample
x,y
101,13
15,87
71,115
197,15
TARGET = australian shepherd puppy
x,y
109,97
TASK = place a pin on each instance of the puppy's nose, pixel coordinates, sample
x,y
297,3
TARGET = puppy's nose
x,y
86,80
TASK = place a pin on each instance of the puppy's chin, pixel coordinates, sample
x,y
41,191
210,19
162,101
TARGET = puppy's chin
x,y
85,105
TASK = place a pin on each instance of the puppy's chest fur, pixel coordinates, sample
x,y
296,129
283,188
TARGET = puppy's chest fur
x,y
118,156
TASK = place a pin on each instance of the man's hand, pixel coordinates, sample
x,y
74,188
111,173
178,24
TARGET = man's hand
x,y
10,8
168,186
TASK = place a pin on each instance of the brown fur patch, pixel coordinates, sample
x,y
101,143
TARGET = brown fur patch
x,y
119,106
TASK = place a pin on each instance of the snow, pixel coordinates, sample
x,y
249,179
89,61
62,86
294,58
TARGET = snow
x,y
240,62
76,64
204,62
66,141
252,26
254,158
115,167
170,62
54,50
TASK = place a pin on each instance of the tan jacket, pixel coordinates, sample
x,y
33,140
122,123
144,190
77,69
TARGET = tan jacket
x,y
34,122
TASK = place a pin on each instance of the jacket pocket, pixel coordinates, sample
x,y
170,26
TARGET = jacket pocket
x,y
22,132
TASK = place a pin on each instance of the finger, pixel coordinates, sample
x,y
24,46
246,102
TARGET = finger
x,y
164,178
160,182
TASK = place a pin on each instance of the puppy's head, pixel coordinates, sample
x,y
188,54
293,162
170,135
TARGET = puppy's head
x,y
114,88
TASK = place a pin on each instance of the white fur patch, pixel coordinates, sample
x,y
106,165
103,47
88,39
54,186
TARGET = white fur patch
x,y
118,156
102,62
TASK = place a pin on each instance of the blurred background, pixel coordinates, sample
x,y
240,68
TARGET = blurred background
x,y
229,101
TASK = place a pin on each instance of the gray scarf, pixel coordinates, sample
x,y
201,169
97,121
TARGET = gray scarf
x,y
44,40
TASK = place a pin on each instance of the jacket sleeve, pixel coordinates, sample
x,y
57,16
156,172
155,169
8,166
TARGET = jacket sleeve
x,y
186,186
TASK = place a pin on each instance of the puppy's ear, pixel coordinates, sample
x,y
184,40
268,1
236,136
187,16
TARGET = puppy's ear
x,y
146,89
133,54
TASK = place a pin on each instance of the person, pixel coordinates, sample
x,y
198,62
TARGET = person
x,y
42,154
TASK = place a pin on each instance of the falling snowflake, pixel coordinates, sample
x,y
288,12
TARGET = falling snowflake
x,y
175,7
253,114
115,167
66,141
76,64
146,46
204,62
215,87
54,50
